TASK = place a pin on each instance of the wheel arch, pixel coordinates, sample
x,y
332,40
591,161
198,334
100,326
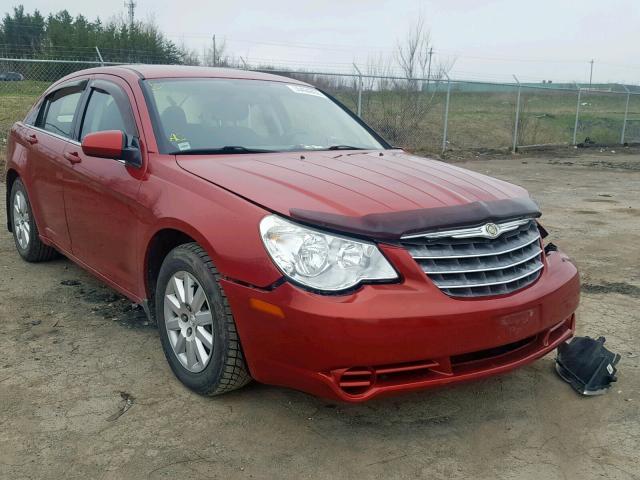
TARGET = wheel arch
x,y
12,176
158,247
168,234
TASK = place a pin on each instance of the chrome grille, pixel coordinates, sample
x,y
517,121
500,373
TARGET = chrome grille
x,y
468,263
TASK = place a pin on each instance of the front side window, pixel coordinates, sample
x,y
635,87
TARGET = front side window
x,y
104,113
59,112
208,114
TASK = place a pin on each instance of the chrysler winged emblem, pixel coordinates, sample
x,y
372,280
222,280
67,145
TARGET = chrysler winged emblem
x,y
492,230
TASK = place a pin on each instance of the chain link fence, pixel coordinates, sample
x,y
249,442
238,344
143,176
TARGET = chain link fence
x,y
444,115
425,115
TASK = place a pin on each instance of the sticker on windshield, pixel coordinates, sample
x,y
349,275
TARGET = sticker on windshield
x,y
184,146
305,90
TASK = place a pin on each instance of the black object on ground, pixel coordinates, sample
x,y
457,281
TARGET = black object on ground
x,y
587,365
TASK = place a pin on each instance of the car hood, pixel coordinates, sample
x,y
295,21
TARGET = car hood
x,y
350,184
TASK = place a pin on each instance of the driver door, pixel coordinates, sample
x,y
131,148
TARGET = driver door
x,y
101,194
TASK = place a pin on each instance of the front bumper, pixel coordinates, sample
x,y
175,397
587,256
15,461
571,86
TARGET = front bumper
x,y
387,338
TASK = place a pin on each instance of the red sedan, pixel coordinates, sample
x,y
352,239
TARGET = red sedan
x,y
273,235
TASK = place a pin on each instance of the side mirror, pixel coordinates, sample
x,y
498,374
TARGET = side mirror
x,y
112,144
107,144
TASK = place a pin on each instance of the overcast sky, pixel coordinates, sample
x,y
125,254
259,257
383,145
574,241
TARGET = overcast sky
x,y
490,39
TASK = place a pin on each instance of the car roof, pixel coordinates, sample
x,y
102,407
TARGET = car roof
x,y
184,71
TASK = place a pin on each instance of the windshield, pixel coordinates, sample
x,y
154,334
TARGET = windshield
x,y
219,115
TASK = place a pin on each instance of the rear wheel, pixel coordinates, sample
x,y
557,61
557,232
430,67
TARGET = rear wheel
x,y
196,327
25,230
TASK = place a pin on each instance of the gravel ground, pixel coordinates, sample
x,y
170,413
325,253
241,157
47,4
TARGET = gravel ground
x,y
85,391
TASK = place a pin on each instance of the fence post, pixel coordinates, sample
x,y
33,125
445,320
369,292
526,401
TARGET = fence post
x,y
626,113
575,126
99,56
359,90
446,115
515,127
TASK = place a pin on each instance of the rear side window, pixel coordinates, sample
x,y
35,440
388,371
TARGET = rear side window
x,y
59,111
32,116
106,112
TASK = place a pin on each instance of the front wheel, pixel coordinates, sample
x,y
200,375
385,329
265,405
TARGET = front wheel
x,y
196,327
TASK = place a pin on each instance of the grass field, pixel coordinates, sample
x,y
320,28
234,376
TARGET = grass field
x,y
16,98
480,120
477,120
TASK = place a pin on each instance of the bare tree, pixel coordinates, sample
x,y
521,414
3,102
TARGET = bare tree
x,y
412,54
189,55
401,106
219,57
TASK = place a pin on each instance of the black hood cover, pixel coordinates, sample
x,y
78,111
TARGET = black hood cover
x,y
587,365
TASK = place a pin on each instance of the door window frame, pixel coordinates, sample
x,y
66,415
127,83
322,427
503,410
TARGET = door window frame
x,y
66,88
119,96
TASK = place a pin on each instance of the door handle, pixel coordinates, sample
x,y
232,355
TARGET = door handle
x,y
72,157
32,139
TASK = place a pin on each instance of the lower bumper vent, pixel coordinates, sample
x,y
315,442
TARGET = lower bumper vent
x,y
360,381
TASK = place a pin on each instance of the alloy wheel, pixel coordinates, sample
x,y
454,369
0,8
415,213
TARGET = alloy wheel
x,y
189,322
21,220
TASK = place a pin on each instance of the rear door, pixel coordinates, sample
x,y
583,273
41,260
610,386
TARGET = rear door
x,y
47,139
101,193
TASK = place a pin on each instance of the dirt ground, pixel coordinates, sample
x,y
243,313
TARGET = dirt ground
x,y
85,391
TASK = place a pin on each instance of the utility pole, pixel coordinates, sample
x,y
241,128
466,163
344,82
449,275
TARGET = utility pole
x,y
591,74
429,67
215,60
131,6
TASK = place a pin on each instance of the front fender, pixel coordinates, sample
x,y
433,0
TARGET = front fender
x,y
224,224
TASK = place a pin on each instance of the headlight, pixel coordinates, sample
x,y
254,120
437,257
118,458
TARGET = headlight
x,y
320,260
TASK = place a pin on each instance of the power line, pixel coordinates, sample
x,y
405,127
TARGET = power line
x,y
378,49
370,48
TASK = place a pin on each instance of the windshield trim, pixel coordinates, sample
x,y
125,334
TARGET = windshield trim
x,y
164,147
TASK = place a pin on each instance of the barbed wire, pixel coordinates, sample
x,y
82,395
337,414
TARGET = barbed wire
x,y
119,54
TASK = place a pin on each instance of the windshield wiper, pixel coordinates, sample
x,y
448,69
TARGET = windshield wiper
x,y
344,147
219,150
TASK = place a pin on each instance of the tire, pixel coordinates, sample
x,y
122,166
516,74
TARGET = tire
x,y
182,327
25,230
